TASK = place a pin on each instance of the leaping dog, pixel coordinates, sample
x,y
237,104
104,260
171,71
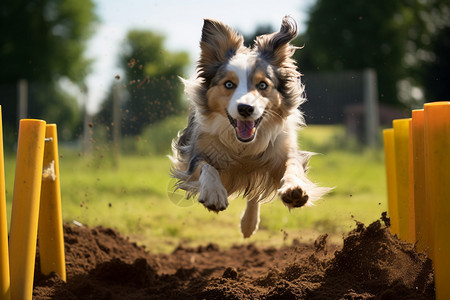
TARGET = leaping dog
x,y
241,137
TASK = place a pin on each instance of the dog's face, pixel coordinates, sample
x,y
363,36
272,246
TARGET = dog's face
x,y
242,92
248,90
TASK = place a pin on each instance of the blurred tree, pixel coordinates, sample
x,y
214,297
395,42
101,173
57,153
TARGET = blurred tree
x,y
437,76
43,41
155,91
392,37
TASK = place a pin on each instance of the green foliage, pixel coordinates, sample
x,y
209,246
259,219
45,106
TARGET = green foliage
x,y
44,41
155,91
54,105
392,37
437,76
156,139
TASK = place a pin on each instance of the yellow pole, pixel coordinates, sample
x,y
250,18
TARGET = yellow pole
x,y
401,137
437,172
389,156
25,207
411,205
4,256
51,238
421,208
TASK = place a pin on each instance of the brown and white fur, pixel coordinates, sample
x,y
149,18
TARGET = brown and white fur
x,y
242,132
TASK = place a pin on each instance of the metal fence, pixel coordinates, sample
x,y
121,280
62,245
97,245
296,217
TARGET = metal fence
x,y
329,94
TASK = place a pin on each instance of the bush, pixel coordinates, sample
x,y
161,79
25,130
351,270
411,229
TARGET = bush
x,y
156,138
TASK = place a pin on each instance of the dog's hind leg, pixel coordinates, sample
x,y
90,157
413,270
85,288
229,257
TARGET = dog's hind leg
x,y
250,218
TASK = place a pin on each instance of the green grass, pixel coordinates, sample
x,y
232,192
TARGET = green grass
x,y
133,197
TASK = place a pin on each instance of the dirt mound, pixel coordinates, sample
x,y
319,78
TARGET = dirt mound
x,y
372,264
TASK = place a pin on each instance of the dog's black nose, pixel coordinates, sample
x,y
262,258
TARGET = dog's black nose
x,y
245,110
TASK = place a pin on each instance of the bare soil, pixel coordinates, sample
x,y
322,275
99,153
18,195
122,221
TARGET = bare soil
x,y
371,264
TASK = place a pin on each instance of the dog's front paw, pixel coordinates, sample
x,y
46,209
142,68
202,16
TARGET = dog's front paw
x,y
212,194
292,194
214,198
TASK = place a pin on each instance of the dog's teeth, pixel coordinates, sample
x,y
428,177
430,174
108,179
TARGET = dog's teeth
x,y
253,130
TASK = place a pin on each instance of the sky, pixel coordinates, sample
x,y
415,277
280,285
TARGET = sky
x,y
180,21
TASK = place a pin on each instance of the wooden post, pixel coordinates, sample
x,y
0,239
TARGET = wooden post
x,y
4,255
417,186
371,115
401,137
437,174
87,131
116,124
25,207
50,229
391,178
22,91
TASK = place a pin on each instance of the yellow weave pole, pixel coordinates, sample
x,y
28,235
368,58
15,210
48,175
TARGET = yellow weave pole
x,y
4,256
422,210
437,172
50,229
25,207
391,179
405,217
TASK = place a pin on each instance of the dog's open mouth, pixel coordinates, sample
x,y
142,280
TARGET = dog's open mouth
x,y
245,129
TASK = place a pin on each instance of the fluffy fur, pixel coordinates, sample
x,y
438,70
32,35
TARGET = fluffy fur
x,y
241,137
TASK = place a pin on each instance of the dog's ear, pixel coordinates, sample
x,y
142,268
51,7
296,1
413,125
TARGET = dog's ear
x,y
218,44
275,47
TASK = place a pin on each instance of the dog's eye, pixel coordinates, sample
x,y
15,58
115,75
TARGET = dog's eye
x,y
228,85
262,85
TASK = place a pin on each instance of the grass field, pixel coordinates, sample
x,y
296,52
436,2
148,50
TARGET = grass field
x,y
133,196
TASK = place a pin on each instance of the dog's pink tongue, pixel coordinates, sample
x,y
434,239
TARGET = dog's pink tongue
x,y
245,129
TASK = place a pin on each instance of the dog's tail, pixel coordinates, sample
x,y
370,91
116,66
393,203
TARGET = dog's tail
x,y
315,192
